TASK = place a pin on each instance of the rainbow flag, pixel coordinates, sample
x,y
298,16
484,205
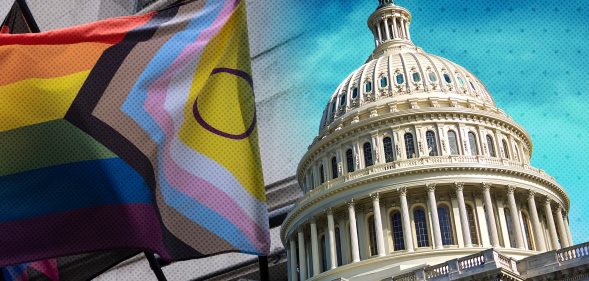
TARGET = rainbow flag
x,y
20,272
134,132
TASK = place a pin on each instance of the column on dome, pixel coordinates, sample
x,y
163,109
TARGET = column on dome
x,y
482,221
407,29
538,233
331,240
357,162
376,41
376,149
433,207
386,27
404,25
490,214
456,218
564,241
302,256
326,170
551,225
314,248
344,234
502,222
463,216
395,32
379,31
405,219
378,225
293,258
353,232
362,229
519,242
316,179
339,159
568,228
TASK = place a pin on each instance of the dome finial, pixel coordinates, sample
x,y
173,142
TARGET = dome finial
x,y
382,3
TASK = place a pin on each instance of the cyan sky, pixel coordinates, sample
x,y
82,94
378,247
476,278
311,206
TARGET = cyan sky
x,y
533,56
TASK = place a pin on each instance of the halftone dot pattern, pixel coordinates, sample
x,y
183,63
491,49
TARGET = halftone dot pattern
x,y
531,55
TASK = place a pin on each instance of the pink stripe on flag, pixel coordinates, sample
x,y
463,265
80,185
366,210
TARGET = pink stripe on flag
x,y
47,267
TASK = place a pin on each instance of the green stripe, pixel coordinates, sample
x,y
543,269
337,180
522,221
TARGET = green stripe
x,y
47,144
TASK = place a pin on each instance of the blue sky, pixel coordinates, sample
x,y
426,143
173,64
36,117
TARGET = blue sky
x,y
533,56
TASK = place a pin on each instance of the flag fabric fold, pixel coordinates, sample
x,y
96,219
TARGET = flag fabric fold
x,y
134,132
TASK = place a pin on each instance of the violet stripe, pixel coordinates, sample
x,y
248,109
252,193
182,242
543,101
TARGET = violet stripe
x,y
96,229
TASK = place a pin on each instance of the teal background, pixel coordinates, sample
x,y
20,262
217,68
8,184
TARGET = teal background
x,y
531,55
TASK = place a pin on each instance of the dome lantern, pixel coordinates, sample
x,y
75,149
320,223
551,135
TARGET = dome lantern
x,y
390,25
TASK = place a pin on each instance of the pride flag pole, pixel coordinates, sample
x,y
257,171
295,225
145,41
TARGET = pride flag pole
x,y
155,266
263,264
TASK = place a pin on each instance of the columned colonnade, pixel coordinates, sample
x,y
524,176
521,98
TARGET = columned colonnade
x,y
456,215
389,27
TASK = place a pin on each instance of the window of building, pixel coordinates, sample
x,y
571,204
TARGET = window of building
x,y
368,86
447,78
372,235
400,78
432,76
350,160
509,224
472,86
367,147
516,152
416,77
527,231
388,149
384,82
321,174
460,80
354,93
453,142
445,225
398,238
432,147
409,146
342,100
338,246
472,225
421,227
334,173
472,141
491,146
333,105
505,149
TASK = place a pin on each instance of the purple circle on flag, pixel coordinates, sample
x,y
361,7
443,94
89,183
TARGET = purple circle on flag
x,y
241,74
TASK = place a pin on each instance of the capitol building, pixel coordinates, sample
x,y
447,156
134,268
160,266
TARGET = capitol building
x,y
417,175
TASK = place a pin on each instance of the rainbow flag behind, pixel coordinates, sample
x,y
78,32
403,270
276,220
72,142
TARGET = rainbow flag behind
x,y
133,132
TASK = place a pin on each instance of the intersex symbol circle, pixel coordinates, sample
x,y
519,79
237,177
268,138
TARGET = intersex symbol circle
x,y
243,75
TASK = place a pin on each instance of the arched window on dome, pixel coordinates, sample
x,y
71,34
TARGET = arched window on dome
x,y
432,76
323,254
338,246
516,155
334,173
354,93
432,146
367,148
453,142
398,238
409,145
350,160
333,105
384,82
505,149
372,236
416,77
368,86
472,141
527,231
342,100
400,78
460,79
321,174
447,78
472,225
445,225
472,86
491,146
509,224
388,149
421,231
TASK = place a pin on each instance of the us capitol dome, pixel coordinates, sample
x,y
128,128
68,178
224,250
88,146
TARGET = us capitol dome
x,y
416,174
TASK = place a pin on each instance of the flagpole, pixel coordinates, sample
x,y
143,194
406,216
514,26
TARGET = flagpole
x,y
155,266
263,264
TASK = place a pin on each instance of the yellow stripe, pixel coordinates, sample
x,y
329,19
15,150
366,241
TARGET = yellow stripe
x,y
34,101
228,49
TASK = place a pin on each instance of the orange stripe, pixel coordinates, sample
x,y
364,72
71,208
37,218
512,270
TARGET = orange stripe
x,y
47,61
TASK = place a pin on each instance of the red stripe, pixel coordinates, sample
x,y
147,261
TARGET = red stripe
x,y
109,31
132,226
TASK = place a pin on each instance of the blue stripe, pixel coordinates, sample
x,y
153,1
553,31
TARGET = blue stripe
x,y
14,272
70,187
204,216
160,63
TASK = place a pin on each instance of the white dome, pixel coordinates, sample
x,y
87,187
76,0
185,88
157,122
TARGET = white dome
x,y
410,73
